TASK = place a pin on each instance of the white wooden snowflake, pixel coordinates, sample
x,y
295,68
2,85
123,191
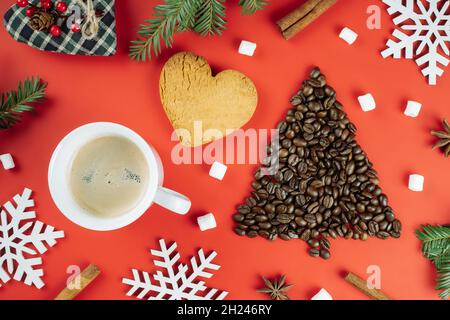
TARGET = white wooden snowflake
x,y
178,283
21,240
423,34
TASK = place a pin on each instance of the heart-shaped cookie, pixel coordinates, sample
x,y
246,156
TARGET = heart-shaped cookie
x,y
203,107
103,44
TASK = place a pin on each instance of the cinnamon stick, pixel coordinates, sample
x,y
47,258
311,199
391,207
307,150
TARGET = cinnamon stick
x,y
301,17
361,285
86,277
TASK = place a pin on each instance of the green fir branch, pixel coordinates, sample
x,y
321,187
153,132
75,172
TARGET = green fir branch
x,y
167,17
436,248
205,17
14,104
210,18
443,279
249,7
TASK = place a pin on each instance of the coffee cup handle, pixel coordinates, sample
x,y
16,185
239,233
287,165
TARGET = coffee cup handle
x,y
172,200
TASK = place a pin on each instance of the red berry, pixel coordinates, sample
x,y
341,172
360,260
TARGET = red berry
x,y
46,4
30,11
22,3
75,27
61,6
55,30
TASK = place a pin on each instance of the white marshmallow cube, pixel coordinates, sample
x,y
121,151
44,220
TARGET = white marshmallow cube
x,y
206,222
247,48
348,35
367,102
322,295
413,109
218,170
416,182
7,161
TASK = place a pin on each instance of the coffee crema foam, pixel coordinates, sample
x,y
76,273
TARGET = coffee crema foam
x,y
109,176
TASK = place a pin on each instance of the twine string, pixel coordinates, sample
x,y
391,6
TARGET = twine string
x,y
90,27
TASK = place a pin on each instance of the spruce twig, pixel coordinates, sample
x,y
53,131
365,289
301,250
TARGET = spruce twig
x,y
162,26
210,18
14,103
436,248
249,7
205,17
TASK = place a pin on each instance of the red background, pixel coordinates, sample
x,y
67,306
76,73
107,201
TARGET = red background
x,y
88,89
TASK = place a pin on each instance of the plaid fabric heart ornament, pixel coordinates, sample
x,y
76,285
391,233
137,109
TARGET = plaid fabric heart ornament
x,y
96,35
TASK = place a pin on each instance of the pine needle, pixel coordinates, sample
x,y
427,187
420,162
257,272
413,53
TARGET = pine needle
x,y
162,27
14,104
436,248
249,7
205,17
211,18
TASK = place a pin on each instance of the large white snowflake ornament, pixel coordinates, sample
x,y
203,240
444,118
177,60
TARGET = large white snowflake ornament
x,y
179,282
21,239
423,34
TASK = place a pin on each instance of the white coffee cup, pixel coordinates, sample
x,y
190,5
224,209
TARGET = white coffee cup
x,y
61,163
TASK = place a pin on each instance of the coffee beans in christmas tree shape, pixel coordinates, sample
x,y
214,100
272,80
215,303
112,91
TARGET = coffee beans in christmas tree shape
x,y
325,186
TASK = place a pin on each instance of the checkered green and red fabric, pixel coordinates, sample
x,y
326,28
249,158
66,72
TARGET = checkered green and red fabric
x,y
104,43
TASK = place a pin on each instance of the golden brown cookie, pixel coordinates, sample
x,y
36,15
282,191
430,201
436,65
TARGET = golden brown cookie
x,y
191,94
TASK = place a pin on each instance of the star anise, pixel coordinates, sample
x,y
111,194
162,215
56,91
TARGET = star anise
x,y
276,289
444,138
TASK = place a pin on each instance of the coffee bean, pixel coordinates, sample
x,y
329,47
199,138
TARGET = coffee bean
x,y
239,232
313,243
264,234
264,225
300,221
328,201
363,225
312,192
383,225
314,252
373,227
383,200
244,209
256,210
332,233
292,234
397,226
310,218
269,208
283,153
280,209
252,234
308,128
360,207
313,208
263,194
315,73
379,218
350,168
366,216
250,201
325,254
238,217
389,216
280,194
325,243
283,218
305,236
288,175
382,235
261,218
249,222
